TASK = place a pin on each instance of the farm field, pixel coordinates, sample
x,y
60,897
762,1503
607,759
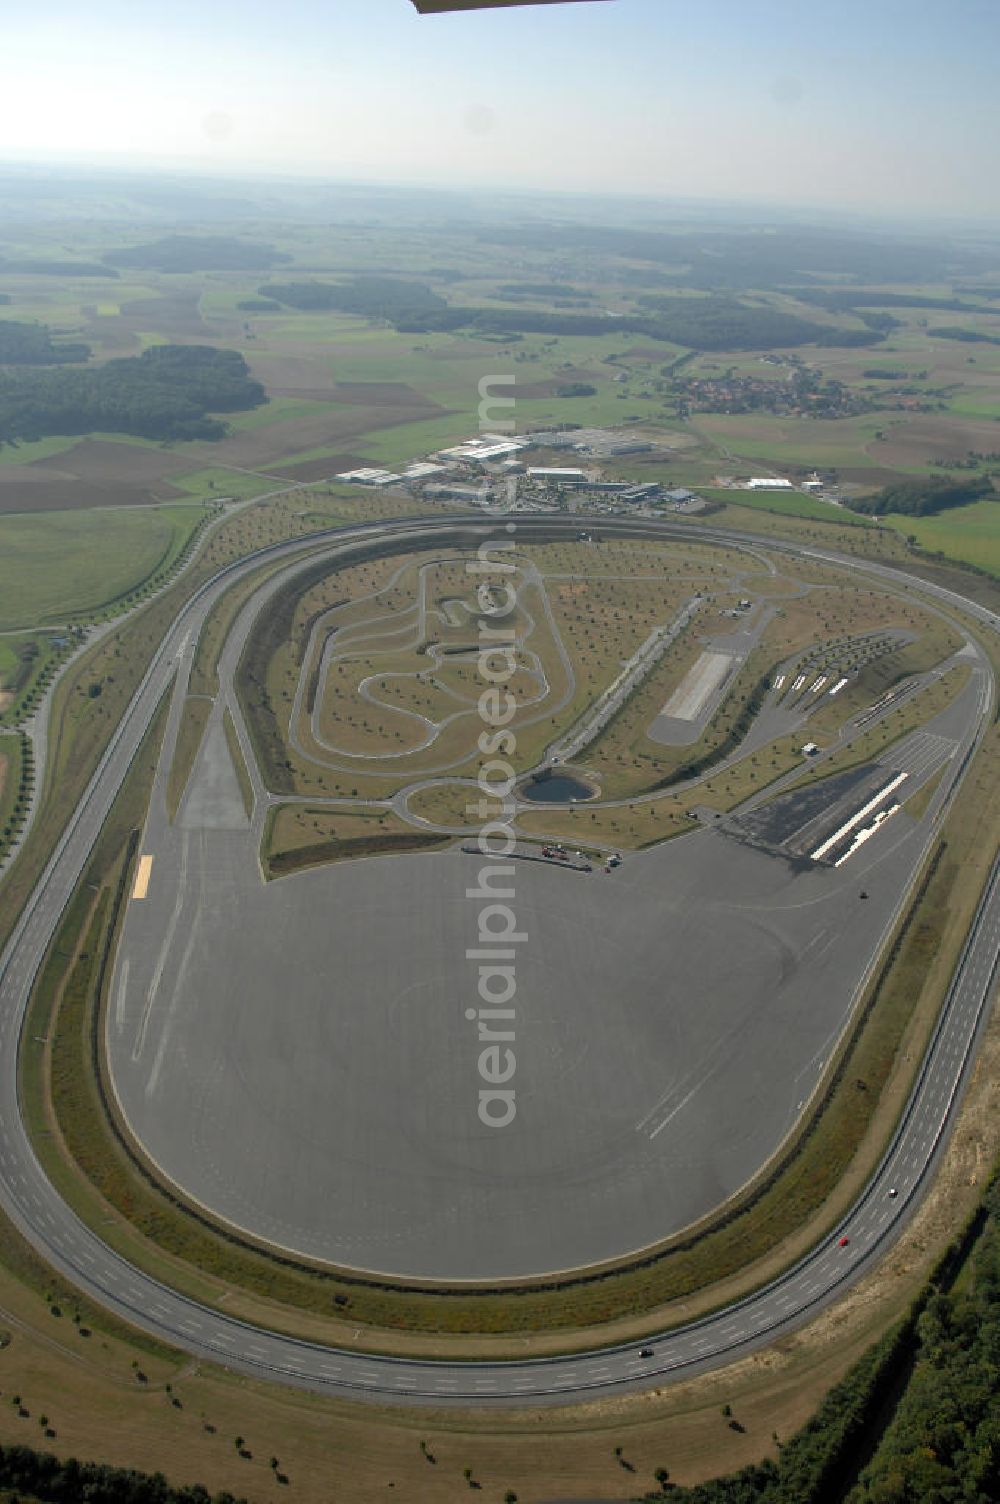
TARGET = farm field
x,y
347,388
795,504
61,565
970,534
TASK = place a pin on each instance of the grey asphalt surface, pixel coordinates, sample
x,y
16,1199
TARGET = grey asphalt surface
x,y
44,1218
295,1055
675,731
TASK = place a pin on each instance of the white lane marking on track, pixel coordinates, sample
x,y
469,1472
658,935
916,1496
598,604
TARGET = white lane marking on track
x,y
165,951
154,1074
120,996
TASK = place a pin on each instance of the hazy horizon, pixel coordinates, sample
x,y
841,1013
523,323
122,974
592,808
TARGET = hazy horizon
x,y
885,114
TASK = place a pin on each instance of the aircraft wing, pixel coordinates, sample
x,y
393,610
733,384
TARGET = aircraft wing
x,y
433,7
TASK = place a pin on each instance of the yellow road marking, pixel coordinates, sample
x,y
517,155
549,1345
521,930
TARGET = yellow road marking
x,y
142,876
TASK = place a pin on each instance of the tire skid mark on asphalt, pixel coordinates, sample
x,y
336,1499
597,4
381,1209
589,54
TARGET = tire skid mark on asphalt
x,y
154,1074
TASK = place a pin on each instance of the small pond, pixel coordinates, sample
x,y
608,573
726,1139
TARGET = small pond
x,y
556,788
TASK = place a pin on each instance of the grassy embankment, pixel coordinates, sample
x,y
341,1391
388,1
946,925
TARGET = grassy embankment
x,y
203,683
56,1065
785,504
28,661
969,534
297,836
239,765
190,732
12,787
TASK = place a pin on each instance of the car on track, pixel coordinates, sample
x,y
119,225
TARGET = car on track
x,y
843,1242
645,1352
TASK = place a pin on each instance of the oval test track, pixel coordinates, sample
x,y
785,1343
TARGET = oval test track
x,y
78,1253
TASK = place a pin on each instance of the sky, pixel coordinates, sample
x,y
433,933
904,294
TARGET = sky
x,y
885,106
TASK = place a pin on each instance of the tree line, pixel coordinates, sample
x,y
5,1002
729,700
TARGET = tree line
x,y
846,300
32,345
388,298
969,336
714,322
165,393
196,253
741,258
29,267
54,1481
922,498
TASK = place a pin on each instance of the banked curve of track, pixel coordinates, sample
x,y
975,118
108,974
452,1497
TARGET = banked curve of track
x,y
77,1252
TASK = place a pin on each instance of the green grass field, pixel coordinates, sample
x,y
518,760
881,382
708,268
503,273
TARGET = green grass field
x,y
794,441
792,505
10,782
971,534
8,662
44,449
278,410
220,480
57,565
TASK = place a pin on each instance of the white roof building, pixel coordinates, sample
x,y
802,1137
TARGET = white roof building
x,y
422,470
368,477
546,473
489,446
458,452
769,483
500,451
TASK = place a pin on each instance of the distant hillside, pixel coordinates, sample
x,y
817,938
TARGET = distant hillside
x,y
28,267
753,257
845,300
388,298
968,336
724,323
197,253
716,322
